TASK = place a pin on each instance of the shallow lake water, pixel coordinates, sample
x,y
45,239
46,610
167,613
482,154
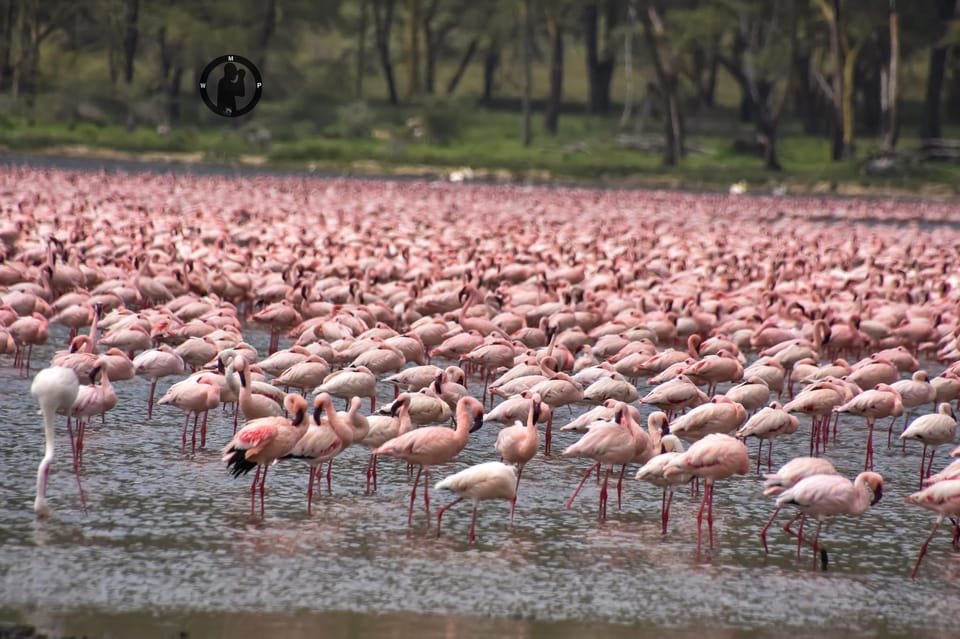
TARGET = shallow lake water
x,y
169,545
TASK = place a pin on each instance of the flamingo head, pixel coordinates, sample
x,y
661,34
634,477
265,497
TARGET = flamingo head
x,y
875,482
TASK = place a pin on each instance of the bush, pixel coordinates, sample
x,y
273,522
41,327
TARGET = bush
x,y
355,120
442,121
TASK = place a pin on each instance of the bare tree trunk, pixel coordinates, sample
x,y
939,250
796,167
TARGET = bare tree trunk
x,y
8,17
890,121
462,67
551,117
938,63
599,68
526,29
430,49
413,24
361,51
266,32
833,17
173,94
667,84
490,63
628,64
131,34
383,23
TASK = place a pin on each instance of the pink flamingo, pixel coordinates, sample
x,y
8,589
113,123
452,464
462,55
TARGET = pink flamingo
x,y
770,422
932,430
518,444
943,498
324,440
788,475
434,445
653,472
92,400
821,496
608,444
716,456
883,401
263,441
194,395
154,364
490,480
383,428
253,406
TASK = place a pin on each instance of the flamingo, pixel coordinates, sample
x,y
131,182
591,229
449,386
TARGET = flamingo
x,y
55,389
262,442
349,383
156,363
434,445
194,395
943,498
253,406
824,495
716,456
559,390
519,443
785,477
490,480
770,422
383,428
653,472
322,441
932,430
882,401
608,444
719,415
92,400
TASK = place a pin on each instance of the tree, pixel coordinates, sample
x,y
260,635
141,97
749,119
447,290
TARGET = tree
x,y
938,61
598,27
413,67
664,63
760,63
557,14
382,26
526,43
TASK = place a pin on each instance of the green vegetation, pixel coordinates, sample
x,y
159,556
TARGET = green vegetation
x,y
715,92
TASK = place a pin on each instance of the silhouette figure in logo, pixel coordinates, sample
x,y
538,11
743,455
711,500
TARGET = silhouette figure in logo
x,y
230,88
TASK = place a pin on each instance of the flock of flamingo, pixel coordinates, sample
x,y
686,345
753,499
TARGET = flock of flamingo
x,y
642,305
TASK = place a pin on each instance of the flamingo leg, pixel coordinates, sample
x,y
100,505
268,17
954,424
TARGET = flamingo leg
x,y
548,436
473,522
153,388
329,470
203,429
310,490
603,494
263,479
709,488
665,511
923,548
763,531
443,509
73,446
620,486
580,485
929,465
516,488
923,459
253,489
868,462
193,436
769,453
413,495
816,545
759,453
703,504
183,439
836,421
426,491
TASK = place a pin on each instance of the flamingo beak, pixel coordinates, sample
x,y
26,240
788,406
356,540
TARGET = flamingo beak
x,y
243,378
877,494
394,409
93,374
317,411
536,412
477,422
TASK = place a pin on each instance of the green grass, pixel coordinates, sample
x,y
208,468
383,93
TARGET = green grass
x,y
489,140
